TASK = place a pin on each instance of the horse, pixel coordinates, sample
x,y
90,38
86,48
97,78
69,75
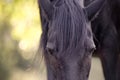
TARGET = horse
x,y
106,30
67,40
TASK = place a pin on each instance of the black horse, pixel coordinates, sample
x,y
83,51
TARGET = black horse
x,y
67,39
106,28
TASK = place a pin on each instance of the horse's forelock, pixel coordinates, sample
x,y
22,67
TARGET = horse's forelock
x,y
69,26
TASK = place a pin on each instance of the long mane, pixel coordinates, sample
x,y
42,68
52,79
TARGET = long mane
x,y
66,30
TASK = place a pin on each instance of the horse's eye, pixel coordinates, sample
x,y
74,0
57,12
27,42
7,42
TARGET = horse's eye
x,y
92,50
50,51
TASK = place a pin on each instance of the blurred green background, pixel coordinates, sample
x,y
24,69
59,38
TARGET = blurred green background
x,y
19,40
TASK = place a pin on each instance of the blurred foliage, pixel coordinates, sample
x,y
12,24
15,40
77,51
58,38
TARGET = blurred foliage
x,y
19,34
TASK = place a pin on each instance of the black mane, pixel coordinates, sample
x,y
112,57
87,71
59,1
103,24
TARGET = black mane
x,y
67,29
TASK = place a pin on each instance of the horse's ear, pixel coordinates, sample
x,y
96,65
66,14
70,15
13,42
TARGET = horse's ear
x,y
94,8
47,7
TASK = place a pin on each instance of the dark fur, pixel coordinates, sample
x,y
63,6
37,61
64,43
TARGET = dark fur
x,y
106,28
67,39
